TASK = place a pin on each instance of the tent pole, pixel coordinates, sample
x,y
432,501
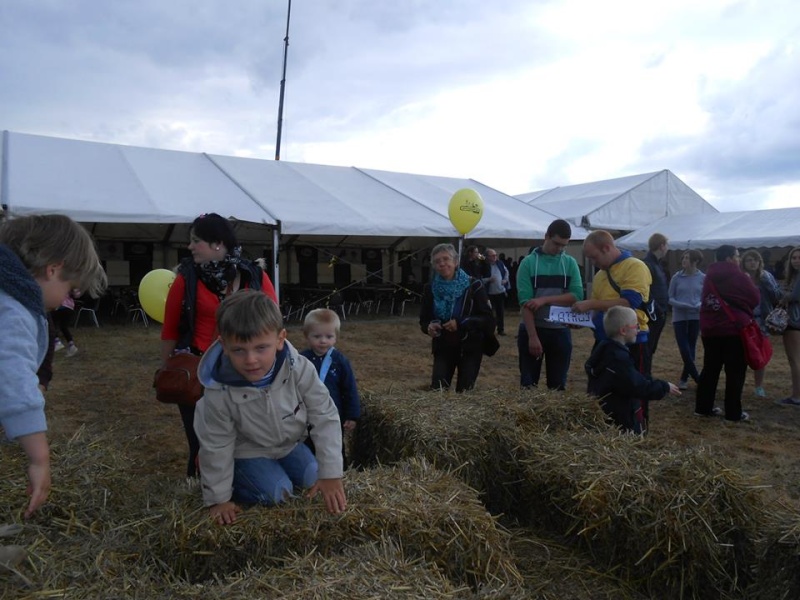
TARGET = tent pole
x,y
276,267
283,83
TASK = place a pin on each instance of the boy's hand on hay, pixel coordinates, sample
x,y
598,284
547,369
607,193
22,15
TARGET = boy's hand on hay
x,y
332,492
38,451
224,513
349,425
673,389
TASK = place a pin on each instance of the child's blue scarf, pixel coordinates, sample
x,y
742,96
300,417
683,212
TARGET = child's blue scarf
x,y
445,293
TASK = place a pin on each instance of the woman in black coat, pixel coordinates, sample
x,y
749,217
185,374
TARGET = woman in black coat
x,y
457,315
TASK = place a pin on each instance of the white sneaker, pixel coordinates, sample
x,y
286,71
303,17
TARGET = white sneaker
x,y
58,345
761,392
72,350
683,384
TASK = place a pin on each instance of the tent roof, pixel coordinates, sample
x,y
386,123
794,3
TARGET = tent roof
x,y
624,203
100,183
109,183
772,228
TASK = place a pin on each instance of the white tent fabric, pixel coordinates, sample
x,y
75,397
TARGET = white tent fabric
x,y
503,216
621,204
773,228
97,183
108,183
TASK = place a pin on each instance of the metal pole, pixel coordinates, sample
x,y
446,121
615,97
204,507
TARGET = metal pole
x,y
283,83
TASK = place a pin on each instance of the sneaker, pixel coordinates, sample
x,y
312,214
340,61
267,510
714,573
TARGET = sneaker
x,y
683,384
58,345
715,412
760,392
789,402
72,350
745,416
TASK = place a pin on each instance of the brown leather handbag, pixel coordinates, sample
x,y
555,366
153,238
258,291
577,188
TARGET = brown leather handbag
x,y
176,382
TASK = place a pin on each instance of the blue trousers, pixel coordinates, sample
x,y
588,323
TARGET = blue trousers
x,y
557,348
686,333
269,481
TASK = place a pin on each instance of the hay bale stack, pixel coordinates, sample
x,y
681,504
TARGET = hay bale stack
x,y
779,566
674,522
430,514
465,433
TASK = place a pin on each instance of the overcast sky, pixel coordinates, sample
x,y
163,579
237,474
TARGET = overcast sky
x,y
521,95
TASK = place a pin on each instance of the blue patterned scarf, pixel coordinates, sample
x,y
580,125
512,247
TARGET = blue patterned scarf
x,y
17,282
445,293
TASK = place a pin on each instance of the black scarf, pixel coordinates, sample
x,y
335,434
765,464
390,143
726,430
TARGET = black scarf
x,y
218,275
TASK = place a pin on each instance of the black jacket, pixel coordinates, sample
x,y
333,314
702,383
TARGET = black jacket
x,y
614,380
659,288
474,314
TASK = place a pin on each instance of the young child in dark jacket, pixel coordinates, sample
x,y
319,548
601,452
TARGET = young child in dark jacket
x,y
622,391
321,330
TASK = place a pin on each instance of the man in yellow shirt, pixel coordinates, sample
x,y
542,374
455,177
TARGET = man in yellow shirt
x,y
621,280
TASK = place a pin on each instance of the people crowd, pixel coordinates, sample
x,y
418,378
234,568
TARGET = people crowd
x,y
273,419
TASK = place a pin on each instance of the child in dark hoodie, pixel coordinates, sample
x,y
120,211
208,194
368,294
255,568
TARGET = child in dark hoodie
x,y
622,391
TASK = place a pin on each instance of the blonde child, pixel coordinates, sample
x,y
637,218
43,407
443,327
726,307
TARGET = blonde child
x,y
261,401
42,258
623,392
321,330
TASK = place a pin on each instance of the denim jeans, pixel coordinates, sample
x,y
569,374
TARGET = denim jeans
x,y
557,353
686,333
269,481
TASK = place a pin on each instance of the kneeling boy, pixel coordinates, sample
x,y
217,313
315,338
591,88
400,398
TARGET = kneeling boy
x,y
622,390
261,398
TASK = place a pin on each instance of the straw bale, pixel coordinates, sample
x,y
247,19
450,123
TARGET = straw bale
x,y
431,514
460,432
677,522
779,565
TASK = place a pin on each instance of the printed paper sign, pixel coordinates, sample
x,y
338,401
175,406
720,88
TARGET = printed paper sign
x,y
564,314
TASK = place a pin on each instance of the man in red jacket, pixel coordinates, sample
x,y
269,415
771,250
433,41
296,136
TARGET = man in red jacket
x,y
725,282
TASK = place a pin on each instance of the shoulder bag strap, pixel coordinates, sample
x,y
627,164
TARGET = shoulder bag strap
x,y
722,301
611,280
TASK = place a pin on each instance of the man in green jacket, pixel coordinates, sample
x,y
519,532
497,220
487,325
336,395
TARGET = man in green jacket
x,y
547,276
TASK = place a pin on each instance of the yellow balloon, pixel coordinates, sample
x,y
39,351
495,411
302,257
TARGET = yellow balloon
x,y
153,291
465,210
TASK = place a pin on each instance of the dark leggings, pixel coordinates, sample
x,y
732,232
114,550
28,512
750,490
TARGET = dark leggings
x,y
187,416
61,319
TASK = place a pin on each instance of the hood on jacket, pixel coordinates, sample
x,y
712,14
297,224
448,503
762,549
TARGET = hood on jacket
x,y
216,370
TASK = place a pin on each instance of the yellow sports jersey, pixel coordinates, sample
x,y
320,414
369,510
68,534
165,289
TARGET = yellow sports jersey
x,y
633,279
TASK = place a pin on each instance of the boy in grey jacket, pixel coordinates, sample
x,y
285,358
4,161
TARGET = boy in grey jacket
x,y
42,258
262,399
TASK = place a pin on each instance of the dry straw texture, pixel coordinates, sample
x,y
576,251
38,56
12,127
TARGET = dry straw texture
x,y
671,522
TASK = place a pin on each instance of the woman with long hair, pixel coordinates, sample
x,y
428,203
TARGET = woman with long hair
x,y
791,337
685,289
215,270
770,291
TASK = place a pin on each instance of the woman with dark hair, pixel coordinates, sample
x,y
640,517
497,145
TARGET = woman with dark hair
x,y
457,315
791,336
770,294
725,284
685,289
214,271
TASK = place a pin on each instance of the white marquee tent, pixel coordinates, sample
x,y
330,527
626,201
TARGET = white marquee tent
x,y
621,204
772,228
151,190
